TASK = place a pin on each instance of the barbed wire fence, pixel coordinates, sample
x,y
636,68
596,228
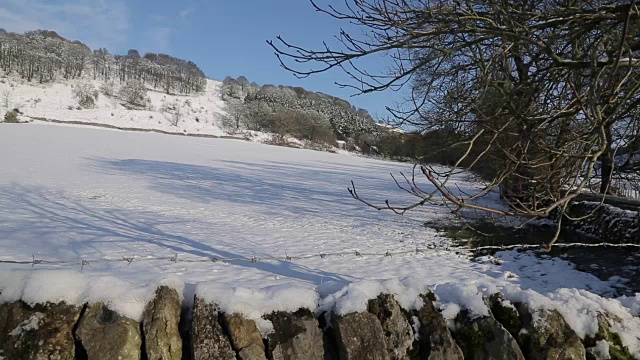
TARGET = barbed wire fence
x,y
177,258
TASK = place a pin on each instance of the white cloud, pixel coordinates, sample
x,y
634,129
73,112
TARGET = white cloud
x,y
98,23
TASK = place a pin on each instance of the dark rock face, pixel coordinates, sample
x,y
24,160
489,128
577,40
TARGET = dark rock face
x,y
547,336
107,335
208,340
484,338
245,337
505,313
397,331
435,340
44,331
295,336
360,337
160,324
328,337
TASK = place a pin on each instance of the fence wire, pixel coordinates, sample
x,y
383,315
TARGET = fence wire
x,y
175,258
178,259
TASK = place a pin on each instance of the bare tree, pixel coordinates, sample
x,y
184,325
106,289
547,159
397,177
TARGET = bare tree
x,y
542,91
7,96
43,55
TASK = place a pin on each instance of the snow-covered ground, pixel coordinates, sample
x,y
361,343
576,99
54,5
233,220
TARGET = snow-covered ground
x,y
162,208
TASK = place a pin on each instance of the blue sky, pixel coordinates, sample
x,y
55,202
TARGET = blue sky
x,y
224,37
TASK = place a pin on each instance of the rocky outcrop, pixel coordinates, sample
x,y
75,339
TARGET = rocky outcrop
x,y
397,331
245,337
360,336
160,324
106,335
44,331
208,339
484,338
434,340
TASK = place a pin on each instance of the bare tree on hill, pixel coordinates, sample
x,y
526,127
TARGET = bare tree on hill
x,y
44,56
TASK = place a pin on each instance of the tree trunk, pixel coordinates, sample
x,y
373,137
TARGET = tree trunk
x,y
606,162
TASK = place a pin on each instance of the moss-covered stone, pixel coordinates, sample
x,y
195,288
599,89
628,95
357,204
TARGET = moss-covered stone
x,y
484,338
397,331
295,336
359,336
617,351
43,331
547,336
245,337
160,324
107,335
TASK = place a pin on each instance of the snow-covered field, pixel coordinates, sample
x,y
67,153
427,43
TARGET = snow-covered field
x,y
161,209
197,114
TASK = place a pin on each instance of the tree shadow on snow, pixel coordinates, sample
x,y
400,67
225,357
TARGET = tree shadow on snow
x,y
273,187
60,226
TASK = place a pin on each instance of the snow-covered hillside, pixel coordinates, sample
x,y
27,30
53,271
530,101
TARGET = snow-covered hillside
x,y
106,215
190,114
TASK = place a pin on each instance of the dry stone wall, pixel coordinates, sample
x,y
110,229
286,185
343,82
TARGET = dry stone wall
x,y
604,223
386,332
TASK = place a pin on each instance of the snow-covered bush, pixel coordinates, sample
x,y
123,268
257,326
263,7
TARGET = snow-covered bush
x,y
229,123
86,94
171,111
278,140
11,117
134,92
108,88
176,116
166,107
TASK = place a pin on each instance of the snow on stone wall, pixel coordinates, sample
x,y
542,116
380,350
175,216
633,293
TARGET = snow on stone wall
x,y
604,223
386,327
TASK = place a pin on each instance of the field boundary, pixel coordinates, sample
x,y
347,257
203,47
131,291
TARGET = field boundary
x,y
114,127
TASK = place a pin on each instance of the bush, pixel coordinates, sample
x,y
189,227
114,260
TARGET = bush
x,y
171,111
108,88
11,117
302,125
134,92
229,123
86,94
278,140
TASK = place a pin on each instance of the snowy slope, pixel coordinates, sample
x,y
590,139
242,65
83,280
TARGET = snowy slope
x,y
88,195
199,114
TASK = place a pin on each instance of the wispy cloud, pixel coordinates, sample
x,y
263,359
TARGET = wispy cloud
x,y
159,39
98,23
184,13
